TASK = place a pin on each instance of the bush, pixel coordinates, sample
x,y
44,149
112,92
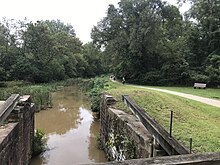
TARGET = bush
x,y
3,84
38,145
149,78
94,87
197,77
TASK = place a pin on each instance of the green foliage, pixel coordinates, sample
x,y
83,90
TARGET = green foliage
x,y
2,84
56,26
141,37
57,70
213,70
45,51
38,145
129,149
40,94
145,41
94,88
149,42
196,77
95,93
93,57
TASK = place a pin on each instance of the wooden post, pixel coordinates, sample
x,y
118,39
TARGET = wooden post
x,y
190,145
171,123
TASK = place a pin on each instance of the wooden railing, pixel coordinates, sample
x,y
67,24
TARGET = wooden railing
x,y
7,107
168,143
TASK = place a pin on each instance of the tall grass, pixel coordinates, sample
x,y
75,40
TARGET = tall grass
x,y
40,94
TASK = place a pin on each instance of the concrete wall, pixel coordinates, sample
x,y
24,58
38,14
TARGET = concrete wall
x,y
122,135
16,137
187,159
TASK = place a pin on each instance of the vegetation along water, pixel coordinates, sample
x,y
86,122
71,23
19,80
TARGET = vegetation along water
x,y
70,130
145,42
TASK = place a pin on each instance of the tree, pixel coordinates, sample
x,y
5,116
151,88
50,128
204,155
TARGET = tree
x,y
93,57
8,47
141,37
131,31
56,26
52,45
44,51
204,39
213,69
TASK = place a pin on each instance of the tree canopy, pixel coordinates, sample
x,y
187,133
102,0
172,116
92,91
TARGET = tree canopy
x,y
145,41
45,51
151,42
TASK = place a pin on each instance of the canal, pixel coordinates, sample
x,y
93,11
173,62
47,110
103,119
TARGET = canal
x,y
70,129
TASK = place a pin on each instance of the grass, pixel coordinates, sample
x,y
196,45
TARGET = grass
x,y
213,93
192,119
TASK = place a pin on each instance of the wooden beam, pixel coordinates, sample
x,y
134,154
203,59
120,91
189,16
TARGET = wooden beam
x,y
7,107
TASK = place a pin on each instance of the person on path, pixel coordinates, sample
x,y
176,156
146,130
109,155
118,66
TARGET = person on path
x,y
123,80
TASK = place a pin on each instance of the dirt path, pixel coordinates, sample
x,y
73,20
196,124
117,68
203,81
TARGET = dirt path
x,y
208,101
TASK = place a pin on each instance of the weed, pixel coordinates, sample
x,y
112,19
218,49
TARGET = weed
x,y
38,145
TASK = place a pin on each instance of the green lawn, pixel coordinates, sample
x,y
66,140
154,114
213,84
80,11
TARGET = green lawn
x,y
191,118
213,93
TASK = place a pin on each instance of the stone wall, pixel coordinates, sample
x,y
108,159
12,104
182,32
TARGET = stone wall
x,y
122,135
187,159
17,135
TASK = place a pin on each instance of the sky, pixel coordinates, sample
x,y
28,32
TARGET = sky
x,y
81,14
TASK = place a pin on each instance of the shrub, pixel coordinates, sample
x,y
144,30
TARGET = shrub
x,y
93,88
95,92
38,145
3,84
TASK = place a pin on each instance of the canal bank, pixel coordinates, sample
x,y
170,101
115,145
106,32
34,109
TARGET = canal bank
x,y
119,129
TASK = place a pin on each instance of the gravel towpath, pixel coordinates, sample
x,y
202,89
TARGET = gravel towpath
x,y
208,101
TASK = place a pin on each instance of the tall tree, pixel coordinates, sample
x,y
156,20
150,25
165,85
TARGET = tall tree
x,y
204,40
93,57
140,37
56,26
50,47
9,50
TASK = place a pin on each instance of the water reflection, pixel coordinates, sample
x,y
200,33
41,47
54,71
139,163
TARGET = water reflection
x,y
70,129
94,128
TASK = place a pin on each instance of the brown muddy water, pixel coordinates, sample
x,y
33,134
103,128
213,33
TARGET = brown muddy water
x,y
70,130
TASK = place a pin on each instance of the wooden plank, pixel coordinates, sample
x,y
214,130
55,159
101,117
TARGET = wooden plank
x,y
7,107
1,102
169,144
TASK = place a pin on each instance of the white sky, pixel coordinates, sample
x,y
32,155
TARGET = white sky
x,y
81,14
